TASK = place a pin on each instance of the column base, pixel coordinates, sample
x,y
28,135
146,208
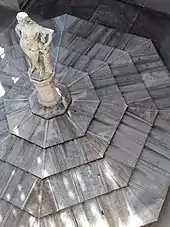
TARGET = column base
x,y
48,95
55,109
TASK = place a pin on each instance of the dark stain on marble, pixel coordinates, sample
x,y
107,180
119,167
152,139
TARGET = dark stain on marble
x,y
155,26
134,2
84,12
47,8
118,15
7,16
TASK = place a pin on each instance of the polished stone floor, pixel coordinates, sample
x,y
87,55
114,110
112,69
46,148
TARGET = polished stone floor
x,y
126,18
106,160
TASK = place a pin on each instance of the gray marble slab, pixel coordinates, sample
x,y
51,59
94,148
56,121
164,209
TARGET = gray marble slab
x,y
3,122
145,109
124,204
43,163
24,85
143,205
15,106
92,145
17,67
151,178
91,214
15,184
159,140
32,204
106,120
77,185
115,173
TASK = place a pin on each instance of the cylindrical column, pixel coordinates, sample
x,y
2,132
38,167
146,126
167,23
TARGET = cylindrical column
x,y
47,93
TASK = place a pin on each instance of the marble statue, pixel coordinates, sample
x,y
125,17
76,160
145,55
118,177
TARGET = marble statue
x,y
35,42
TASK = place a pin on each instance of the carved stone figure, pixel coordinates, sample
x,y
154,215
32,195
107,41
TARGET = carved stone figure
x,y
35,42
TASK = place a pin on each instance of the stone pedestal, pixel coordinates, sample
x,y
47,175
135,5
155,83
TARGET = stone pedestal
x,y
47,93
53,111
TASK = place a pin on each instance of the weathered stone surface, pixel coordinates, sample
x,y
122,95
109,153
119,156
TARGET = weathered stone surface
x,y
118,172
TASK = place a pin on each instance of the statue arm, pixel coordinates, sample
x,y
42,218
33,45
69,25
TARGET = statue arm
x,y
18,31
48,32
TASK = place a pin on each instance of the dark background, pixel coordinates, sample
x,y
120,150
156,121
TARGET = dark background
x,y
160,5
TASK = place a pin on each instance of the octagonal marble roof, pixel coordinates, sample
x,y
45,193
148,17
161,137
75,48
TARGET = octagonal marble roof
x,y
106,162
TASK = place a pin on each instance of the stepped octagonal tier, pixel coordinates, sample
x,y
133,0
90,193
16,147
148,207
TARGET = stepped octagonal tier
x,y
105,160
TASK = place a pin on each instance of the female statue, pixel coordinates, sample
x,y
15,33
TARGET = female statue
x,y
35,42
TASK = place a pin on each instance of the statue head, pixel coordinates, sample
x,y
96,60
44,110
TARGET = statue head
x,y
23,18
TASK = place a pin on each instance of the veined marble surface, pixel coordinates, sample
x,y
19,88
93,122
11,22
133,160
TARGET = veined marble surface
x,y
117,173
